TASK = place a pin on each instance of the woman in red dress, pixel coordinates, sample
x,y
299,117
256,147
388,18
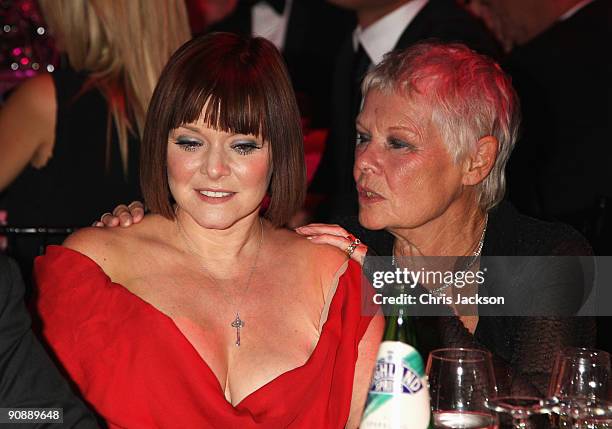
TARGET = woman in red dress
x,y
206,314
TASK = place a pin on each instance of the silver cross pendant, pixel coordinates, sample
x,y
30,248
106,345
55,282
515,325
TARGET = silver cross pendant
x,y
238,323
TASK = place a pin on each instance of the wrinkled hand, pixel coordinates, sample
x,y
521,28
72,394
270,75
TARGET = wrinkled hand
x,y
334,235
122,215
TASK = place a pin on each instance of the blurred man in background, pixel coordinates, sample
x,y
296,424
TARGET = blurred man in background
x,y
308,33
561,63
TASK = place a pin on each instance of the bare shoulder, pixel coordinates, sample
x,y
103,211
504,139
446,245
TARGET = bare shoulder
x,y
37,87
96,243
320,257
36,96
27,127
109,247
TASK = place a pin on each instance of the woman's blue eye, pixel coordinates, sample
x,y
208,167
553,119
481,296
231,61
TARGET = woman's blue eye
x,y
244,148
400,144
361,138
188,145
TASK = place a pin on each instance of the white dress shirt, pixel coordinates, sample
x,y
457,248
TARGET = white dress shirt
x,y
268,23
381,37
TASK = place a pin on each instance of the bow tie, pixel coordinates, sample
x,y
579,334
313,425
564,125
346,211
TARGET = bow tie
x,y
277,5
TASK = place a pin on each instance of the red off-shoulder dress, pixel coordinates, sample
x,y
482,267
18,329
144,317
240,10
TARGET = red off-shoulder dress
x,y
137,369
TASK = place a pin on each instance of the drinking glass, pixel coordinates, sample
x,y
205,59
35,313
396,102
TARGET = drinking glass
x,y
520,409
592,414
461,381
581,382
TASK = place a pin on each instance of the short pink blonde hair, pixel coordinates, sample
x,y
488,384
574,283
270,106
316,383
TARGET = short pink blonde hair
x,y
470,97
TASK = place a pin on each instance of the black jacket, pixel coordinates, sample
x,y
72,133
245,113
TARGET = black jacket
x,y
28,377
560,168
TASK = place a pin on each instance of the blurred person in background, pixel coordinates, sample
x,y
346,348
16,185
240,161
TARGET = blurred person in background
x,y
309,34
560,60
561,63
69,140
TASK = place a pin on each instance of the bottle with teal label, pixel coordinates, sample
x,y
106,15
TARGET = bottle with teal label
x,y
399,394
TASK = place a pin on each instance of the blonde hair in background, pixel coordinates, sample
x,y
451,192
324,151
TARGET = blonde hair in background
x,y
123,45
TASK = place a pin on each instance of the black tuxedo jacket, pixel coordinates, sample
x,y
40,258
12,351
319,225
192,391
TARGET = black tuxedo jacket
x,y
560,168
28,378
443,20
314,34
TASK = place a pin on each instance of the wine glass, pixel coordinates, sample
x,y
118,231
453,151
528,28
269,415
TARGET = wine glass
x,y
520,408
461,381
594,414
580,381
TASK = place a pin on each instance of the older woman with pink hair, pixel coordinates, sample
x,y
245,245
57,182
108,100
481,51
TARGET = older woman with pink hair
x,y
436,130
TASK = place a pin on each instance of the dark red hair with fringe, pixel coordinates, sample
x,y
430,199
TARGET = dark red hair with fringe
x,y
235,84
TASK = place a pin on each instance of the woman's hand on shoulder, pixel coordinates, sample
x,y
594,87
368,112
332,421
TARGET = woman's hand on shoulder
x,y
122,215
27,127
336,236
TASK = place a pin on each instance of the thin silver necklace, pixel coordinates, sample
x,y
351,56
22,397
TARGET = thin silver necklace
x,y
474,257
237,323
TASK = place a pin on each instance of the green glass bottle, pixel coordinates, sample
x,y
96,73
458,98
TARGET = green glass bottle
x,y
399,394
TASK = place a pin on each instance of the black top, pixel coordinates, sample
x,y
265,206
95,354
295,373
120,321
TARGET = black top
x,y
28,378
80,182
523,347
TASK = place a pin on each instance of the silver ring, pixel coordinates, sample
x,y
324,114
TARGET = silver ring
x,y
351,247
